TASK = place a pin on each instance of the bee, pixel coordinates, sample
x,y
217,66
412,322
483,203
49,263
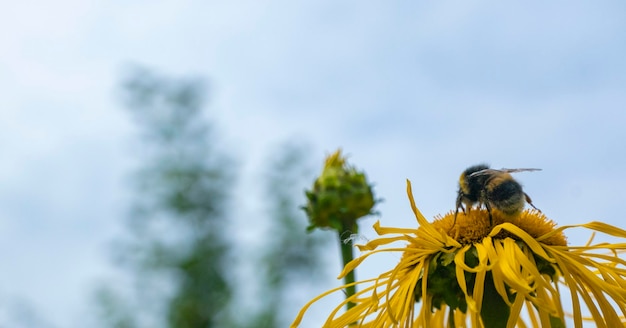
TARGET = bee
x,y
492,188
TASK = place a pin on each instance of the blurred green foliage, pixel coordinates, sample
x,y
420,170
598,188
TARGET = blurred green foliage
x,y
177,248
176,245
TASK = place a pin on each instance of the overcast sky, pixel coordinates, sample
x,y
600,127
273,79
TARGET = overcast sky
x,y
410,89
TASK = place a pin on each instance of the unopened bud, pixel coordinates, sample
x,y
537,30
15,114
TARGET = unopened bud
x,y
339,197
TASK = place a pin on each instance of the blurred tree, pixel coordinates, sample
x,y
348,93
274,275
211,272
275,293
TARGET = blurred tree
x,y
292,258
176,247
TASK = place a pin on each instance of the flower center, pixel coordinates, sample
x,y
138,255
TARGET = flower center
x,y
473,226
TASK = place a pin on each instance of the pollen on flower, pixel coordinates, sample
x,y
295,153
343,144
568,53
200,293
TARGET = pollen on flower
x,y
537,224
473,226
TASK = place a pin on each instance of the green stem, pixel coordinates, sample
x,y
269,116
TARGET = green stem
x,y
494,312
451,319
347,256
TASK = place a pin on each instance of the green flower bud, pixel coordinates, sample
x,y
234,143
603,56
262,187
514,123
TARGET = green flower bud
x,y
339,197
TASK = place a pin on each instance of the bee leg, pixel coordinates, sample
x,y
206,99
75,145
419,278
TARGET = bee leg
x,y
457,212
489,211
459,204
530,202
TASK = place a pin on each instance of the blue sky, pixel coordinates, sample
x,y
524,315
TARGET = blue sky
x,y
416,90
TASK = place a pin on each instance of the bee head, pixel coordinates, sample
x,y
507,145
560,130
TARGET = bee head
x,y
467,183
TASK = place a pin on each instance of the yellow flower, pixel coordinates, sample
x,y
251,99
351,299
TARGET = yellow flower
x,y
471,274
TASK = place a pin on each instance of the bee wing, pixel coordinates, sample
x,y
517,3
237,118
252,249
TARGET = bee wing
x,y
492,171
518,170
484,172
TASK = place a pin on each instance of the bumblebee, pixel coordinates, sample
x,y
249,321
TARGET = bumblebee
x,y
492,188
